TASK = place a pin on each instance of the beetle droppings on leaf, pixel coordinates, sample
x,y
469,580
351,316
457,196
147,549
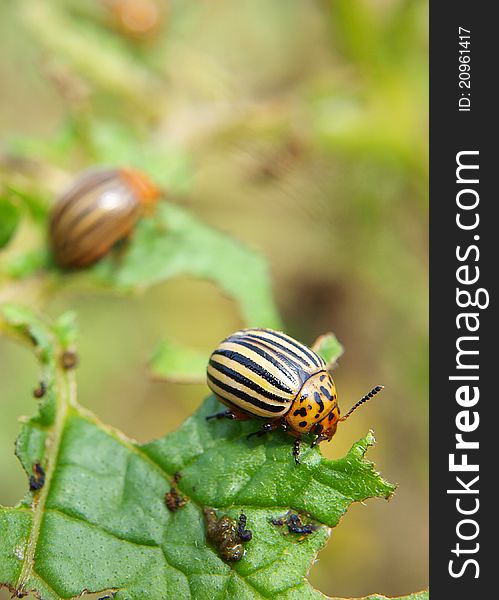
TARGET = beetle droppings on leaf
x,y
227,535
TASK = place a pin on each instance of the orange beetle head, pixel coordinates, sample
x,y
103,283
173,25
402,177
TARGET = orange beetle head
x,y
147,192
314,404
326,428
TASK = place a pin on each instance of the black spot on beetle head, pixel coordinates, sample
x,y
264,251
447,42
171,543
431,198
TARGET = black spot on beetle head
x,y
300,411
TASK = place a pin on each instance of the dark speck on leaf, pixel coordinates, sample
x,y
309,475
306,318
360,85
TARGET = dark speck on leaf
x,y
40,391
69,359
174,501
295,524
37,480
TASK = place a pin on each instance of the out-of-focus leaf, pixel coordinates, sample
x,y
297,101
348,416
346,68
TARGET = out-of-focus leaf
x,y
102,60
56,148
357,30
175,243
98,520
383,47
35,205
26,264
66,329
329,348
9,220
109,144
166,164
178,363
22,321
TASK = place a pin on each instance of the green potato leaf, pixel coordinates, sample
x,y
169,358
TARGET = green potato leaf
x,y
97,521
9,220
175,362
329,348
174,243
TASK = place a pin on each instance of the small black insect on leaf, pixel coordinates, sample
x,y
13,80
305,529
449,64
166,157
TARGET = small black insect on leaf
x,y
174,501
40,391
37,480
294,523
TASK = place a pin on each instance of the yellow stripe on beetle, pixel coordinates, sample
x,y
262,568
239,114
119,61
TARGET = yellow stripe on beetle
x,y
267,374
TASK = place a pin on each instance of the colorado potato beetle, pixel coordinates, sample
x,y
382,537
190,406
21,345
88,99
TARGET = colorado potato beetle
x,y
267,374
99,209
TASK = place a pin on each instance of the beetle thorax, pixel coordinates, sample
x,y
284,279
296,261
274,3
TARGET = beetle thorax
x,y
314,409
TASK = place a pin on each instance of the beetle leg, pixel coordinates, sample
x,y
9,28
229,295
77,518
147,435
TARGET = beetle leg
x,y
265,429
319,439
224,414
296,450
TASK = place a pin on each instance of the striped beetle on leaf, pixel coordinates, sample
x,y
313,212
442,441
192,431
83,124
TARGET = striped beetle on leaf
x,y
267,374
99,209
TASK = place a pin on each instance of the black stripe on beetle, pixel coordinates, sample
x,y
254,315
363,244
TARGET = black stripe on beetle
x,y
299,372
244,396
314,358
83,185
281,351
254,367
288,368
326,392
243,380
319,401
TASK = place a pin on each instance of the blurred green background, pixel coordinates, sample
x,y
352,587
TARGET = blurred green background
x,y
300,128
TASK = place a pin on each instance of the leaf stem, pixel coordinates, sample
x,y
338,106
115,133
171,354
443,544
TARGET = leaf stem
x,y
65,389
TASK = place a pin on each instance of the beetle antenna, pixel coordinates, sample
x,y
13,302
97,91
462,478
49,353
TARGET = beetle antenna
x,y
367,397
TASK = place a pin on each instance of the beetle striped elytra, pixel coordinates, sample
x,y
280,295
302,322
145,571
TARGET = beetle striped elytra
x,y
100,208
267,374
